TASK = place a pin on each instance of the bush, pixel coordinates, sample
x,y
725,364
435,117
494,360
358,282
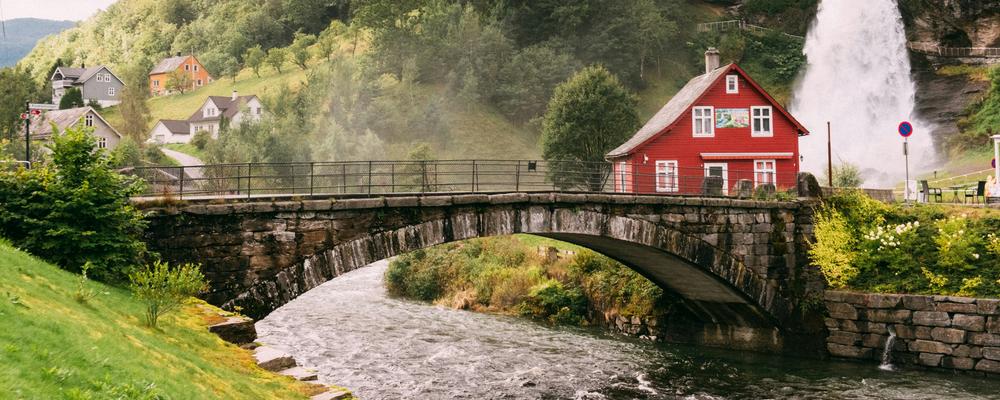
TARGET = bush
x,y
164,289
201,139
75,210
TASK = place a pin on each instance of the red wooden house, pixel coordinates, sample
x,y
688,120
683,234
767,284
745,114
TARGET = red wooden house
x,y
722,125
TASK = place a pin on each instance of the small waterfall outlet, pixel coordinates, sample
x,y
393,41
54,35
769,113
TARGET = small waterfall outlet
x,y
887,352
858,79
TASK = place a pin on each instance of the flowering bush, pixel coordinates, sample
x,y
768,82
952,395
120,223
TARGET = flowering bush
x,y
866,245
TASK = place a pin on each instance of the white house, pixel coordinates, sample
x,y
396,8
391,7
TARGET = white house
x,y
107,136
234,110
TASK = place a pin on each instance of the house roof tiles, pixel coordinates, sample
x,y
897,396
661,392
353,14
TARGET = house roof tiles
x,y
168,65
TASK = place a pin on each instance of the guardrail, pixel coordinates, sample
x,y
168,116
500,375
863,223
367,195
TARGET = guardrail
x,y
743,26
364,178
970,52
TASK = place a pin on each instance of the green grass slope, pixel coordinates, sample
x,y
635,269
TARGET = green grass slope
x,y
53,347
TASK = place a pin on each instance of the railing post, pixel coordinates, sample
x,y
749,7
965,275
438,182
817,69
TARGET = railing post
x,y
312,176
369,177
517,177
392,178
343,178
181,191
249,176
473,175
423,176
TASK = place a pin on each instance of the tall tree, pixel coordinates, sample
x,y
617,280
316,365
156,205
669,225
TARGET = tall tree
x,y
133,107
17,87
178,81
589,115
254,59
300,49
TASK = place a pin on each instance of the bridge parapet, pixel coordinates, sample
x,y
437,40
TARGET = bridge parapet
x,y
739,263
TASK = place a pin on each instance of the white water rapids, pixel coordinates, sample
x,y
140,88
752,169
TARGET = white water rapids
x,y
858,78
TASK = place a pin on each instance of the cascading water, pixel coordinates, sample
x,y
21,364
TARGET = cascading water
x,y
858,78
887,351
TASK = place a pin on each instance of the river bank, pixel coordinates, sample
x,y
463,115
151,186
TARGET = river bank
x,y
382,347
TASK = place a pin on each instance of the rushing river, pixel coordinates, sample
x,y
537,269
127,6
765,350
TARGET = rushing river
x,y
385,348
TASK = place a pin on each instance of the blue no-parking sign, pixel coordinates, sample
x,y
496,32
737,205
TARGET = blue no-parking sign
x,y
905,129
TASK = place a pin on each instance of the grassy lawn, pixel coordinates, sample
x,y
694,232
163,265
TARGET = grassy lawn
x,y
186,148
54,347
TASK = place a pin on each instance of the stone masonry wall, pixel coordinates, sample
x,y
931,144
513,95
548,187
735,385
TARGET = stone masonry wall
x,y
957,333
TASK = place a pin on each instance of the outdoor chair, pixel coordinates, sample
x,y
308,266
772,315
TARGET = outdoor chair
x,y
977,193
929,191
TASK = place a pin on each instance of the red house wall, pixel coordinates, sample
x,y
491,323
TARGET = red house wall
x,y
679,144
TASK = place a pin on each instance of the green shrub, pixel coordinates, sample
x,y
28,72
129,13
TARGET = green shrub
x,y
74,210
549,300
201,139
164,289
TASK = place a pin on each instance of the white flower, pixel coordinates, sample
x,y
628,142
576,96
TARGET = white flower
x,y
976,256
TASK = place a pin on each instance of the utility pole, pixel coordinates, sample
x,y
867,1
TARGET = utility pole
x,y
27,134
829,157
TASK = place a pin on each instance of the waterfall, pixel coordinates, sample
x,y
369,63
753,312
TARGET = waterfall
x,y
858,77
887,352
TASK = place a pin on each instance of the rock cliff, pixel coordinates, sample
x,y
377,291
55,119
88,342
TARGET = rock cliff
x,y
952,23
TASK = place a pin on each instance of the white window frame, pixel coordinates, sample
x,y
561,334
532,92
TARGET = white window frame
x,y
88,120
732,84
156,83
754,118
111,91
667,176
725,175
696,120
187,67
757,173
102,142
622,174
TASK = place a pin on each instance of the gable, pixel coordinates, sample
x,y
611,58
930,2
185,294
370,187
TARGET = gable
x,y
93,72
692,94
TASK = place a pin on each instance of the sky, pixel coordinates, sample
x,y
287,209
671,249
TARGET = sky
x,y
73,10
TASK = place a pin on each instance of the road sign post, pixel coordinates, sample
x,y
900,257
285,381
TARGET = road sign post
x,y
27,135
905,130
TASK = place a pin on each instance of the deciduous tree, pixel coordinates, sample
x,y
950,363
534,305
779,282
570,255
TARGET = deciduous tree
x,y
589,115
178,81
73,98
276,58
254,59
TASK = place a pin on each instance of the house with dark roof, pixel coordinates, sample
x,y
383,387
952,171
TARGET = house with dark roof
x,y
97,84
721,132
216,110
51,122
189,65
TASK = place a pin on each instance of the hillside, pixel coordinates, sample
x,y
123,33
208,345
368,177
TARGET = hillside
x,y
99,349
23,33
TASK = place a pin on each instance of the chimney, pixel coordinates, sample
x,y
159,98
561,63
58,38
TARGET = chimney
x,y
711,59
178,54
82,65
235,95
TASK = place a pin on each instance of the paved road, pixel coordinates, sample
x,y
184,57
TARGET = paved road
x,y
185,160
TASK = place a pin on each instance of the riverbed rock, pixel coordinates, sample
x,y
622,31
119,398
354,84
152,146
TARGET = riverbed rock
x,y
300,373
332,394
272,359
235,329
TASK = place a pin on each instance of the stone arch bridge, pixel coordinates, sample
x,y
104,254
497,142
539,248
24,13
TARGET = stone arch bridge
x,y
739,265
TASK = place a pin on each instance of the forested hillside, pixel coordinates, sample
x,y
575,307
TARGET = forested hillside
x,y
382,77
21,34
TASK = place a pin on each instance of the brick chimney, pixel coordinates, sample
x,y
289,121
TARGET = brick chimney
x,y
235,95
711,59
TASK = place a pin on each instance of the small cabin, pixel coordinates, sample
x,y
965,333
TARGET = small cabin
x,y
720,134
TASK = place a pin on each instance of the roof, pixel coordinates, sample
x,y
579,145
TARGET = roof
x,y
227,107
177,127
678,105
167,65
68,73
41,128
81,74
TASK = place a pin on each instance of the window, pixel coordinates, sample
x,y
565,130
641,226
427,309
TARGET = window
x,y
196,68
763,172
622,188
199,82
111,91
88,120
187,67
702,121
156,83
732,84
666,176
761,125
258,110
102,143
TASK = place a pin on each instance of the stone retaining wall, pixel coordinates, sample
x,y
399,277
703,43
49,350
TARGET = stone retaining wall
x,y
957,333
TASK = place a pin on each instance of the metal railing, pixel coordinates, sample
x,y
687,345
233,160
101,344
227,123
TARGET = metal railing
x,y
741,25
972,52
371,178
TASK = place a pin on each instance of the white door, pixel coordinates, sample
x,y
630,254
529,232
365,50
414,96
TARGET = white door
x,y
720,170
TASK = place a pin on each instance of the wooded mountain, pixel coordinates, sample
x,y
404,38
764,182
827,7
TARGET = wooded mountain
x,y
23,33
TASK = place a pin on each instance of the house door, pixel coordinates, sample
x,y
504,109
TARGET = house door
x,y
719,170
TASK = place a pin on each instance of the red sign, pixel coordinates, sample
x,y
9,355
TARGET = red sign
x,y
24,116
905,129
36,112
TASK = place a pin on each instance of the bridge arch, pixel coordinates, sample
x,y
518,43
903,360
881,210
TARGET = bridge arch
x,y
291,247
